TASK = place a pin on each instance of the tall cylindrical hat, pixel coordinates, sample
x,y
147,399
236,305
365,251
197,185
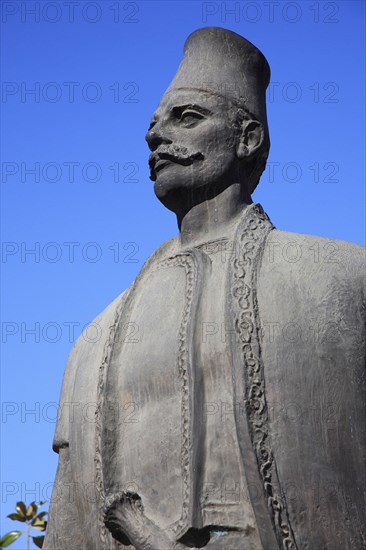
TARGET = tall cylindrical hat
x,y
222,62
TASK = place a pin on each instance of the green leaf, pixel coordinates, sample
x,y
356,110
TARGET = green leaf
x,y
32,510
38,541
9,538
21,509
42,502
16,517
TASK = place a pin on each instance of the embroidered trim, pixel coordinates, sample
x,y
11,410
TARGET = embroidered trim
x,y
184,369
107,351
212,247
256,228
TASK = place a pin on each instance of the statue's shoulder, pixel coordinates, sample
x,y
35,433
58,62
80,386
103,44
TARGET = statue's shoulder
x,y
285,237
94,335
310,254
99,329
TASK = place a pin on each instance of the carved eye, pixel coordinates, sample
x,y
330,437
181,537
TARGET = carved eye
x,y
187,117
190,117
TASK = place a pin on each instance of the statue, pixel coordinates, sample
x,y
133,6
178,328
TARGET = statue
x,y
229,383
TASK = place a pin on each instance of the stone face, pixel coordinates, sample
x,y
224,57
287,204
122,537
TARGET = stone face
x,y
229,383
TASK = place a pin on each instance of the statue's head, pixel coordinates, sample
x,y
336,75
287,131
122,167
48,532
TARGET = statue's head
x,y
210,128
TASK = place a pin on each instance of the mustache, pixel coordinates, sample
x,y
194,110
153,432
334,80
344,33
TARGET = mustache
x,y
174,153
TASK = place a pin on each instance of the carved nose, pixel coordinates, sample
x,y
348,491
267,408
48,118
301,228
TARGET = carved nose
x,y
154,138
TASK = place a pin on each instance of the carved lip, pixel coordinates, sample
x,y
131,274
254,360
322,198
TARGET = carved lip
x,y
160,164
158,161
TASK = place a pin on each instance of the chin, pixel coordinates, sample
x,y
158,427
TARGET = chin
x,y
169,192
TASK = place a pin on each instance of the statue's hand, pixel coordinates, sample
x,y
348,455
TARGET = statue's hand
x,y
124,517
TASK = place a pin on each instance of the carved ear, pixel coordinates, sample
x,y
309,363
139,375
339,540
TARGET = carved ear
x,y
251,139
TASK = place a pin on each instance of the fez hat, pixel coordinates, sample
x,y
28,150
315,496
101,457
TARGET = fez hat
x,y
223,63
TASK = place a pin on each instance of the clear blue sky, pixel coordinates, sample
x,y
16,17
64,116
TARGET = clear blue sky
x,y
88,208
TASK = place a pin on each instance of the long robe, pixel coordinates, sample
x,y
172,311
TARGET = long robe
x,y
292,329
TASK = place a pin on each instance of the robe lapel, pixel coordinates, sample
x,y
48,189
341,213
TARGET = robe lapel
x,y
249,382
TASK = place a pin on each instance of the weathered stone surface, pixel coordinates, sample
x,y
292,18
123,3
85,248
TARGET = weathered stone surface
x,y
229,383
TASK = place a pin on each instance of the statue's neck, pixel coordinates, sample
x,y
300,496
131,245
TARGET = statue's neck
x,y
214,218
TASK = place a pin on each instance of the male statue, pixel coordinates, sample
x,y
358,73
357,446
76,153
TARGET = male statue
x,y
229,382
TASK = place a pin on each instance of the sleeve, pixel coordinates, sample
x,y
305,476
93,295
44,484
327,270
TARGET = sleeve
x,y
63,528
